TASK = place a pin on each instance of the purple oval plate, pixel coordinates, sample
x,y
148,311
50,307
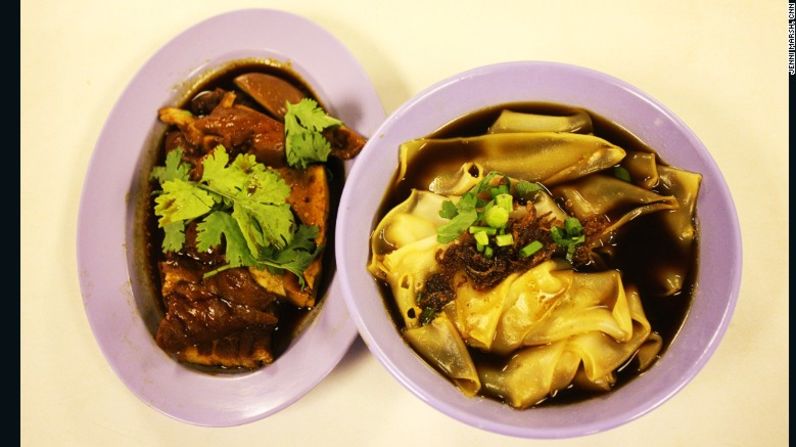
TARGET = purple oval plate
x,y
719,270
116,306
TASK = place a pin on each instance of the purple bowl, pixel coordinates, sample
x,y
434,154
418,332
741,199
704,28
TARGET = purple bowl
x,y
121,312
719,269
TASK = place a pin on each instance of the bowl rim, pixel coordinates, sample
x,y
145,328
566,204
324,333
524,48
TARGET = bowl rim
x,y
733,241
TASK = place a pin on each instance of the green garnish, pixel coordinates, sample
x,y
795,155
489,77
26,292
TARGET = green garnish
x,y
304,142
243,201
488,230
458,225
488,252
505,201
496,217
473,210
622,174
573,227
482,238
530,249
448,210
504,240
569,236
498,190
427,315
526,190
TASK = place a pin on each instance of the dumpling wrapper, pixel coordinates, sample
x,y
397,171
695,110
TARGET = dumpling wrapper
x,y
588,359
546,157
440,344
511,122
643,168
404,247
602,195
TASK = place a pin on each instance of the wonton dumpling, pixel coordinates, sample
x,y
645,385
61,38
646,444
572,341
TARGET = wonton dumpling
x,y
588,358
404,246
547,157
598,195
680,222
509,121
440,344
643,168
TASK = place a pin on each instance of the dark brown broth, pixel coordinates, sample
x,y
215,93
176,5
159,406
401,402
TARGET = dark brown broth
x,y
642,245
291,319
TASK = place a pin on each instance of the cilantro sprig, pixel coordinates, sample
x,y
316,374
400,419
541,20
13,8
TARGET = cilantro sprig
x,y
304,142
242,202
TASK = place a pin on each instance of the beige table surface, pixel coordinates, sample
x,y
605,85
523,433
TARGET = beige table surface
x,y
721,66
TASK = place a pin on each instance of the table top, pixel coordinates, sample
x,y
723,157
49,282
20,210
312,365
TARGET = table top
x,y
721,66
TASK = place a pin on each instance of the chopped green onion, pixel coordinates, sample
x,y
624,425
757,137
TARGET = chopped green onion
x,y
505,201
496,217
526,189
488,230
482,238
498,190
504,240
488,252
530,249
480,247
557,234
622,174
573,227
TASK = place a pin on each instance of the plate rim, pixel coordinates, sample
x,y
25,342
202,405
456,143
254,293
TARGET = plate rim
x,y
333,316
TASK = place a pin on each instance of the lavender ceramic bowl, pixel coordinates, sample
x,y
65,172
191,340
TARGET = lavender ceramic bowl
x,y
719,260
123,314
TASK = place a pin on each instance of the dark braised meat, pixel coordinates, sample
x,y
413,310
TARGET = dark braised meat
x,y
345,142
244,130
203,310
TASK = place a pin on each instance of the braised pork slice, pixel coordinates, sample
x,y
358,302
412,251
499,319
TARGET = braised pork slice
x,y
309,198
226,319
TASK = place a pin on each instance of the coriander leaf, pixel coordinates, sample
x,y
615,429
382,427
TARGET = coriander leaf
x,y
467,202
458,225
226,181
175,236
448,210
174,168
181,200
263,225
304,143
526,190
263,185
304,147
297,256
209,232
310,115
486,182
565,240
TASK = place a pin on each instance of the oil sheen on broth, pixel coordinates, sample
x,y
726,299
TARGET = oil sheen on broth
x,y
642,246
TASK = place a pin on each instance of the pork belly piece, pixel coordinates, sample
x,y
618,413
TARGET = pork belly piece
x,y
309,198
272,93
237,127
226,319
